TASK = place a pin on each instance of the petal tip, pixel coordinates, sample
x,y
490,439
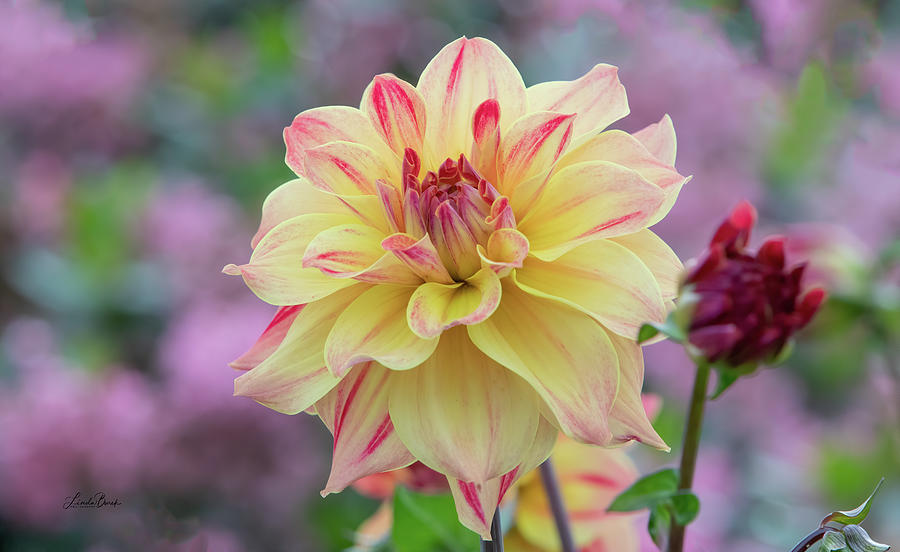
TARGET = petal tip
x,y
232,269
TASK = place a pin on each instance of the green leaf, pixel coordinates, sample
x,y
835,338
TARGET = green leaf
x,y
647,491
647,331
860,541
429,522
724,380
685,507
854,516
660,525
833,540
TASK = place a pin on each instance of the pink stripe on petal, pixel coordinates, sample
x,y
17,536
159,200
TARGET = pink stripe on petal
x,y
270,339
397,112
532,146
419,255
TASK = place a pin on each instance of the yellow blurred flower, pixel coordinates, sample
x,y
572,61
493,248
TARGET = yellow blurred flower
x,y
462,267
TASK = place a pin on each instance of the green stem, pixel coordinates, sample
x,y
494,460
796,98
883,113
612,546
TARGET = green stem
x,y
690,446
810,540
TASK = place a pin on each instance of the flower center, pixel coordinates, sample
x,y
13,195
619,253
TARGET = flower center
x,y
455,207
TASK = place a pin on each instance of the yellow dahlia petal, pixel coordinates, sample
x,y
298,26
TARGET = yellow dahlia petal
x,y
419,255
292,199
628,420
397,112
602,279
477,502
506,249
270,339
564,354
321,125
374,328
356,413
274,272
347,168
659,139
462,414
461,76
597,97
659,258
624,149
436,307
354,251
531,147
587,201
294,376
486,136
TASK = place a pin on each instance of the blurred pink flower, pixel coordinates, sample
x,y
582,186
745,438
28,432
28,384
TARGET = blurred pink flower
x,y
57,81
790,29
882,74
40,191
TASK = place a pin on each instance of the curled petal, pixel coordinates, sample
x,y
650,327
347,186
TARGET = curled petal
x,y
462,414
566,356
354,251
436,307
292,199
455,242
397,112
294,377
659,139
374,328
321,125
356,413
419,255
598,98
658,257
602,279
628,419
461,76
347,168
270,339
506,250
532,146
587,201
274,272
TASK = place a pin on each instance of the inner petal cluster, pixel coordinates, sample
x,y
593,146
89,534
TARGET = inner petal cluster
x,y
454,207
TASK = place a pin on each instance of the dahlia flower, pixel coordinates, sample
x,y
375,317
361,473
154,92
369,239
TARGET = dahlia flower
x,y
461,268
746,306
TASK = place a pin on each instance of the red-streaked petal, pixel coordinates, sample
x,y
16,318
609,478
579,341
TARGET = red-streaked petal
x,y
462,414
486,133
292,199
565,355
455,242
624,149
294,377
275,273
397,112
374,328
659,139
602,279
531,147
321,125
419,255
588,201
436,307
598,98
476,502
356,413
628,418
270,339
461,76
346,168
659,258
354,251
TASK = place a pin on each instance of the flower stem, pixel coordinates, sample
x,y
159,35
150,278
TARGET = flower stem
x,y
810,540
496,542
554,496
690,446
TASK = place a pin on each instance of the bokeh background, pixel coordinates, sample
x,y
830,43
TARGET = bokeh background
x,y
138,140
